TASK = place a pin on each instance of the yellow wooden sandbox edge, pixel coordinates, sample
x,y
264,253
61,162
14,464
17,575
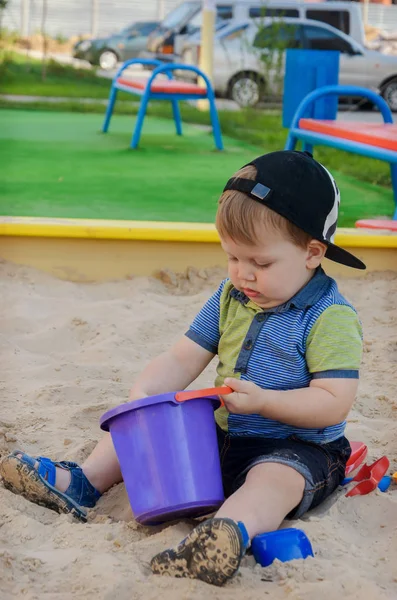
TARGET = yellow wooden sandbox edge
x,y
98,250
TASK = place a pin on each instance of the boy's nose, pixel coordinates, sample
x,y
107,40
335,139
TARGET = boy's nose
x,y
246,273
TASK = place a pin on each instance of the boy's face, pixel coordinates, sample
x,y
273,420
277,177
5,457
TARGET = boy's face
x,y
272,272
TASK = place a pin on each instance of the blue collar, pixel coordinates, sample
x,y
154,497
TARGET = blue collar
x,y
306,297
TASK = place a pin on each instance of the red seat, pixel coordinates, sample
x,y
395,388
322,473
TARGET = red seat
x,y
377,224
382,135
167,86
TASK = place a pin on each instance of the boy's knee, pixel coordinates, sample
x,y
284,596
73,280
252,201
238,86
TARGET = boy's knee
x,y
279,476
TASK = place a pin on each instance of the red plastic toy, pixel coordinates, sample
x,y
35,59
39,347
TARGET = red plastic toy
x,y
359,452
369,477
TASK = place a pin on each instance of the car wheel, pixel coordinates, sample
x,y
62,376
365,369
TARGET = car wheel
x,y
389,93
246,89
107,60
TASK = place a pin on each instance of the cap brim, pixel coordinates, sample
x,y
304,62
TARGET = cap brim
x,y
343,257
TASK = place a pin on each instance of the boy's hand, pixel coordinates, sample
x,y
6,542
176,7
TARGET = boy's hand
x,y
247,398
137,394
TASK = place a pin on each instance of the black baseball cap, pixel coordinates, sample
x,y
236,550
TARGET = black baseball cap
x,y
303,191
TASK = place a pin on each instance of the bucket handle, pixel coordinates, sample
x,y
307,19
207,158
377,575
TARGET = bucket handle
x,y
191,395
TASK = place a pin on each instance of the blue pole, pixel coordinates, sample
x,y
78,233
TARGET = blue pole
x,y
139,121
109,109
393,171
177,116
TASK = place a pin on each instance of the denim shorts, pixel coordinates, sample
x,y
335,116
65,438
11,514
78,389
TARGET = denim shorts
x,y
322,465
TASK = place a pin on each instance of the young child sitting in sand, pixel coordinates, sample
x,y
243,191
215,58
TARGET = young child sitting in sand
x,y
288,344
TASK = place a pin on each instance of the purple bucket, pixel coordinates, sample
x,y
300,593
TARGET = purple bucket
x,y
168,455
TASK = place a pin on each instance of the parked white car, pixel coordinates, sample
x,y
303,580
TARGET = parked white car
x,y
243,73
166,41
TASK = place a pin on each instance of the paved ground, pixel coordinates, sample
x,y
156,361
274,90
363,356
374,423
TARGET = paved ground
x,y
49,99
223,104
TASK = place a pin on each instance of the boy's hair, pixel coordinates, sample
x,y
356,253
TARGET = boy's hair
x,y
238,217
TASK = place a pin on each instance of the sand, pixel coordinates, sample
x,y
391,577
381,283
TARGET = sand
x,y
70,351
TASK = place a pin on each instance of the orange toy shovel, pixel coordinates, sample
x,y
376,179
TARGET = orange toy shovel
x,y
191,395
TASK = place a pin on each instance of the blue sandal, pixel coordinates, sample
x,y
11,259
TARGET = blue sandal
x,y
37,485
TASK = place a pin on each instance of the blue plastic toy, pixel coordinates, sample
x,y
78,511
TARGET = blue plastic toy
x,y
283,544
385,483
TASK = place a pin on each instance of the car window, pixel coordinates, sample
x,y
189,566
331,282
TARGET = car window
x,y
222,16
340,19
128,30
195,23
263,11
224,12
180,14
138,29
317,38
280,35
145,28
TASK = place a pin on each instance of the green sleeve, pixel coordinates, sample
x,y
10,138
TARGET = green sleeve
x,y
334,344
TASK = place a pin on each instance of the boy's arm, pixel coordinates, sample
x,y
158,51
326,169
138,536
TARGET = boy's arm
x,y
325,402
333,355
173,370
176,368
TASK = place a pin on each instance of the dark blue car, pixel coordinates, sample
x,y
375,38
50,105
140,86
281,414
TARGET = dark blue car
x,y
106,52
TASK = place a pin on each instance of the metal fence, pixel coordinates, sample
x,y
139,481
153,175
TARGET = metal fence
x,y
383,17
101,17
76,17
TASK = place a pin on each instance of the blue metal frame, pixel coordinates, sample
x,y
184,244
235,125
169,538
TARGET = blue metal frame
x,y
310,138
146,94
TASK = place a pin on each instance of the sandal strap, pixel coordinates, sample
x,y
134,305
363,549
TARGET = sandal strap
x,y
46,469
80,489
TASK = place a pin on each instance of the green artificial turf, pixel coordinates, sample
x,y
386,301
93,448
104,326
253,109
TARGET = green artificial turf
x,y
60,165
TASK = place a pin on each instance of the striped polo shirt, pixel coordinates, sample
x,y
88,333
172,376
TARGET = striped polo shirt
x,y
316,334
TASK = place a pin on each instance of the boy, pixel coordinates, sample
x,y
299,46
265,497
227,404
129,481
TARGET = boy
x,y
288,344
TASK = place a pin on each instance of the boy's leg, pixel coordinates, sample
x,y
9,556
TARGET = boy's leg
x,y
212,551
101,468
266,480
270,492
64,487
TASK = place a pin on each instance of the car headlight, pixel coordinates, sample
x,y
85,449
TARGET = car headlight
x,y
85,44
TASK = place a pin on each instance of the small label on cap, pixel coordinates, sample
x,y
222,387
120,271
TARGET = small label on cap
x,y
260,191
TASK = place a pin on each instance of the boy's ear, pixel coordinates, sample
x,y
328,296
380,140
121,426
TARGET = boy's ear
x,y
315,253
